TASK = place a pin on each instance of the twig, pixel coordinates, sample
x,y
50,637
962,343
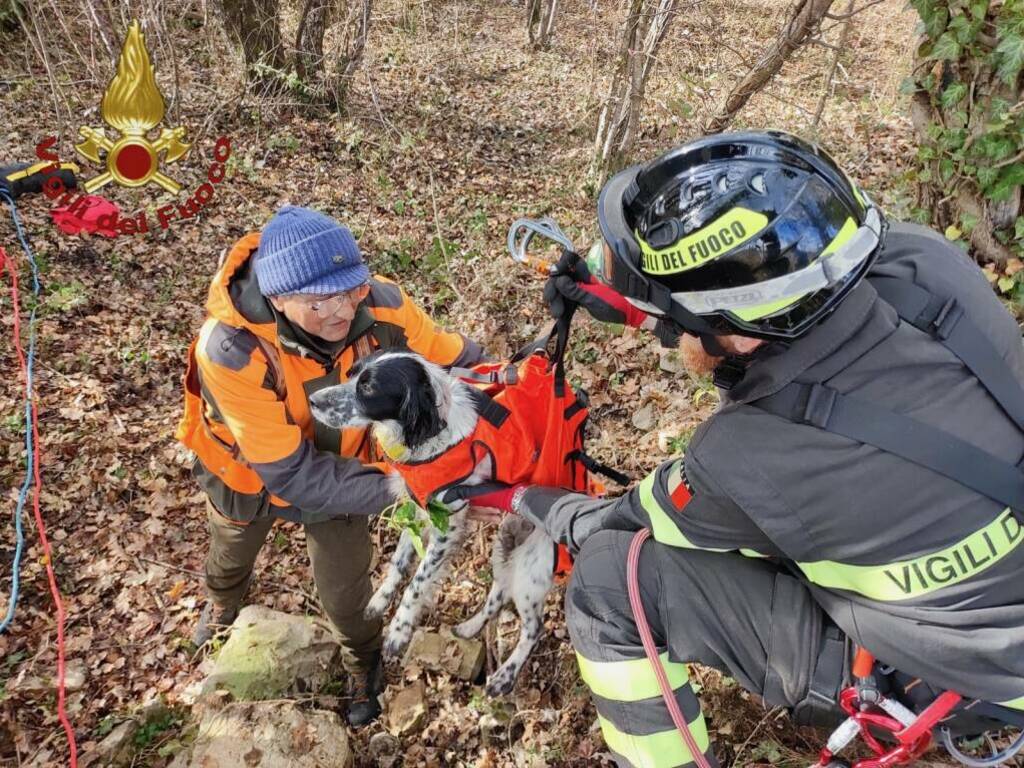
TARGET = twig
x,y
843,36
172,567
851,11
772,713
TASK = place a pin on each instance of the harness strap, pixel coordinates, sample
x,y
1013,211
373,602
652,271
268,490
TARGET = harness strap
x,y
946,322
489,409
823,407
930,447
595,466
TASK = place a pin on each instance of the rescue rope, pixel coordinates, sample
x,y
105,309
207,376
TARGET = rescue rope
x,y
33,462
640,617
19,534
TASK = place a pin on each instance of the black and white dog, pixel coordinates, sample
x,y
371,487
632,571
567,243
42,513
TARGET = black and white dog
x,y
417,412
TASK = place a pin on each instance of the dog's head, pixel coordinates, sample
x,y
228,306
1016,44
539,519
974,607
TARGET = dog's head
x,y
405,397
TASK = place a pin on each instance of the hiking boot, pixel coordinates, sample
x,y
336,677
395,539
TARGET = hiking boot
x,y
212,619
364,691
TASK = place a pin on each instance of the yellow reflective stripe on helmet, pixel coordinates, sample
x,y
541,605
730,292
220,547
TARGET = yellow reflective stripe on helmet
x,y
665,749
749,314
630,680
928,573
732,228
1013,703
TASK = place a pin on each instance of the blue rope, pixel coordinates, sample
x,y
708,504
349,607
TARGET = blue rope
x,y
18,510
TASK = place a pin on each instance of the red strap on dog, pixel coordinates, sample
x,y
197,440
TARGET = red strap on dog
x,y
563,563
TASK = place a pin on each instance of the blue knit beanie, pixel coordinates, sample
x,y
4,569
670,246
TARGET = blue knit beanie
x,y
304,251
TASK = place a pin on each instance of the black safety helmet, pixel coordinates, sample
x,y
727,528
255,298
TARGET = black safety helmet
x,y
757,233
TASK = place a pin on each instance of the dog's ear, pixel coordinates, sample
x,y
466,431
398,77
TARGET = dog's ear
x,y
419,416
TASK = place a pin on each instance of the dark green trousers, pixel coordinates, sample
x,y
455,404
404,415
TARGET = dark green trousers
x,y
340,552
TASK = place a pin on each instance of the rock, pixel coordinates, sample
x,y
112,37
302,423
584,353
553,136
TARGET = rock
x,y
268,735
384,749
270,653
670,361
116,748
74,676
444,652
645,418
405,709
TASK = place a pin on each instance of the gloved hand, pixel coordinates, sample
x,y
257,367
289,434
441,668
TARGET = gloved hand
x,y
573,283
500,499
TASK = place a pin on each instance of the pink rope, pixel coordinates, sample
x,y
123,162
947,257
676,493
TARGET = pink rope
x,y
633,584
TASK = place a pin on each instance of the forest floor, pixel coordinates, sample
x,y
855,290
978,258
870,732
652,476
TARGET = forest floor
x,y
453,129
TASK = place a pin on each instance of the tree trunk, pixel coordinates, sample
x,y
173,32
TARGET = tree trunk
x,y
253,24
357,29
309,40
968,113
326,75
540,22
646,24
803,23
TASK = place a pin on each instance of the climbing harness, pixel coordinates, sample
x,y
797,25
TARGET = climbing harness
x,y
33,469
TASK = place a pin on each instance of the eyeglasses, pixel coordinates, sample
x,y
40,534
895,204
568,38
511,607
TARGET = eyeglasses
x,y
325,306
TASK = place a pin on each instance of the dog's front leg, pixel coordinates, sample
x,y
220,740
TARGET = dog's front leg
x,y
398,568
423,585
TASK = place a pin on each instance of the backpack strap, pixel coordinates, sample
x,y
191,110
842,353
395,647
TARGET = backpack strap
x,y
274,368
823,407
945,321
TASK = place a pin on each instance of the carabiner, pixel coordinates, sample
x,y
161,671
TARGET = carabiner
x,y
521,233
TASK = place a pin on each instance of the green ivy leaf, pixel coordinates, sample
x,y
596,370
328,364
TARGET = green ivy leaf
x,y
417,543
1018,228
908,86
1009,177
953,95
1005,284
934,17
946,47
968,222
946,169
979,10
439,515
1010,55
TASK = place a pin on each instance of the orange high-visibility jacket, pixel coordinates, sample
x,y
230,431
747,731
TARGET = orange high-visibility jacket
x,y
258,450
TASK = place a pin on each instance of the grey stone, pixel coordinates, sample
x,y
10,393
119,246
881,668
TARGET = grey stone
x,y
444,652
270,653
645,418
269,735
670,361
405,709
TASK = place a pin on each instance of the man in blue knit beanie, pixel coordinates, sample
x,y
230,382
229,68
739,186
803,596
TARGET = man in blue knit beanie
x,y
289,312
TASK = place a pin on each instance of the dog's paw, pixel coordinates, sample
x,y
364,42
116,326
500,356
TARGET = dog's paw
x,y
467,629
377,605
395,643
502,682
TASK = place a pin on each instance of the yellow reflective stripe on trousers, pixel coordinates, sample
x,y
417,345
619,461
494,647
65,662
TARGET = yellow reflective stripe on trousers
x,y
927,573
630,680
665,749
1013,704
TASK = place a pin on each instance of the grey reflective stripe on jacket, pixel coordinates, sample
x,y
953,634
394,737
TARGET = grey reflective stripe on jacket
x,y
924,572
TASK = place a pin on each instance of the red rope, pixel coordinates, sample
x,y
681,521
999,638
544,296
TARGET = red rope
x,y
636,603
62,714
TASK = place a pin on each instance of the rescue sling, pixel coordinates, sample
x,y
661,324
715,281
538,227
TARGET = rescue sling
x,y
531,425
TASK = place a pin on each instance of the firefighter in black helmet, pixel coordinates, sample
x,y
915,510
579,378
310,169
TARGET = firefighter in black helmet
x,y
859,483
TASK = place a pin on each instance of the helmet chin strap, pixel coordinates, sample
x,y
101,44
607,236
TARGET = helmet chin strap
x,y
712,345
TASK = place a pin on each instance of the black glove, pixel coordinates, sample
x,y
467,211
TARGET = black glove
x,y
572,285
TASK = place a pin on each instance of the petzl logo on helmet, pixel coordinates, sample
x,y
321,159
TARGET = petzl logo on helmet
x,y
133,106
729,230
